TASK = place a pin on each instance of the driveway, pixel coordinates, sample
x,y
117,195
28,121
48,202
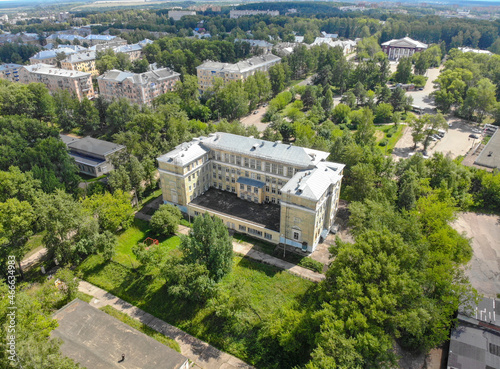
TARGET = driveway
x,y
484,268
255,119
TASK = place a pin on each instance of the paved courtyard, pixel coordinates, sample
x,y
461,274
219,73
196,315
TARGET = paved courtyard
x,y
484,267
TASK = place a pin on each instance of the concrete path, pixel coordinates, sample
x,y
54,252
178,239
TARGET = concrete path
x,y
200,353
247,249
28,262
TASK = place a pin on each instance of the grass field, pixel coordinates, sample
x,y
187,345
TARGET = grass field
x,y
389,134
138,232
269,290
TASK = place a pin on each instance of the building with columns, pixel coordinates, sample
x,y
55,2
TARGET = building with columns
x,y
276,192
404,47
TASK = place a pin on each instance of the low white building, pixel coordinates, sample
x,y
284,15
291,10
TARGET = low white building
x,y
178,14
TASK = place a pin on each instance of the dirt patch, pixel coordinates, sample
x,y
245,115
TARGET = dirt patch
x,y
484,268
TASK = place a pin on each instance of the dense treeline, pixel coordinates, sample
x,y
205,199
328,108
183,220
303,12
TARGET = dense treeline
x,y
469,86
17,53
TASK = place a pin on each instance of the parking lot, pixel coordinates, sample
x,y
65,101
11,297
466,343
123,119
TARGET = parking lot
x,y
484,268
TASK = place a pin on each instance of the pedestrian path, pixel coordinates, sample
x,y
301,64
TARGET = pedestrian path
x,y
200,353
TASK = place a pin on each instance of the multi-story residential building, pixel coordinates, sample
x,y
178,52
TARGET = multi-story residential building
x,y
82,61
133,51
178,14
139,88
246,13
281,193
404,47
209,70
64,37
10,72
50,56
104,39
92,156
77,83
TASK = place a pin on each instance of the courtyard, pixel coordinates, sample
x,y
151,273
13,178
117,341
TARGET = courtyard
x,y
264,215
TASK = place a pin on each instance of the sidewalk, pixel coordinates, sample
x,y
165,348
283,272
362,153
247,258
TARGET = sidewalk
x,y
246,249
200,353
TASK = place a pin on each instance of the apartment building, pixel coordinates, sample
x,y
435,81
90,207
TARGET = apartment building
x,y
209,70
10,72
50,56
82,61
139,88
245,13
77,83
277,192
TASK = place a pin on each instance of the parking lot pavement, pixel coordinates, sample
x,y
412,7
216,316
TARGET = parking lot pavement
x,y
484,268
255,119
456,141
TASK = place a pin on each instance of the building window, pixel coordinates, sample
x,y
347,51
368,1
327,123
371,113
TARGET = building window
x,y
242,186
268,167
227,188
220,177
233,180
255,199
247,174
214,175
255,232
215,184
267,188
227,179
249,188
268,236
273,190
258,177
273,200
267,198
252,163
242,228
233,189
220,186
255,190
245,162
296,235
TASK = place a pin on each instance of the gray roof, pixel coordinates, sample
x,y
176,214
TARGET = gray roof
x,y
470,348
100,37
257,43
9,66
97,340
405,42
95,146
487,310
87,160
80,57
258,148
68,139
267,150
49,54
312,183
490,156
185,153
242,66
50,69
139,78
127,48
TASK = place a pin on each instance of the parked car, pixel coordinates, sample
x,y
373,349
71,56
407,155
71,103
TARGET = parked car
x,y
256,112
472,135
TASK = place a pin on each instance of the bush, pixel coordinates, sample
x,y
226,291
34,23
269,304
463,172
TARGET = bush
x,y
312,264
384,142
388,134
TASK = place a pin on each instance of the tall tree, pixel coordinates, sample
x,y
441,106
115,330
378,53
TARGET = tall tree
x,y
209,244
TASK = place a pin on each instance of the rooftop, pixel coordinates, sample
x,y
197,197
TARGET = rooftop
x,y
81,57
96,340
258,148
312,183
405,42
9,66
263,215
154,75
95,146
49,54
242,66
50,69
490,156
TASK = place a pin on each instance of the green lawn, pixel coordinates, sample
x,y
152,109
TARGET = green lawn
x,y
167,341
138,232
269,291
395,134
150,197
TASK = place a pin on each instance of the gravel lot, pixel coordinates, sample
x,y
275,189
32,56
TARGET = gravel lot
x,y
484,267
